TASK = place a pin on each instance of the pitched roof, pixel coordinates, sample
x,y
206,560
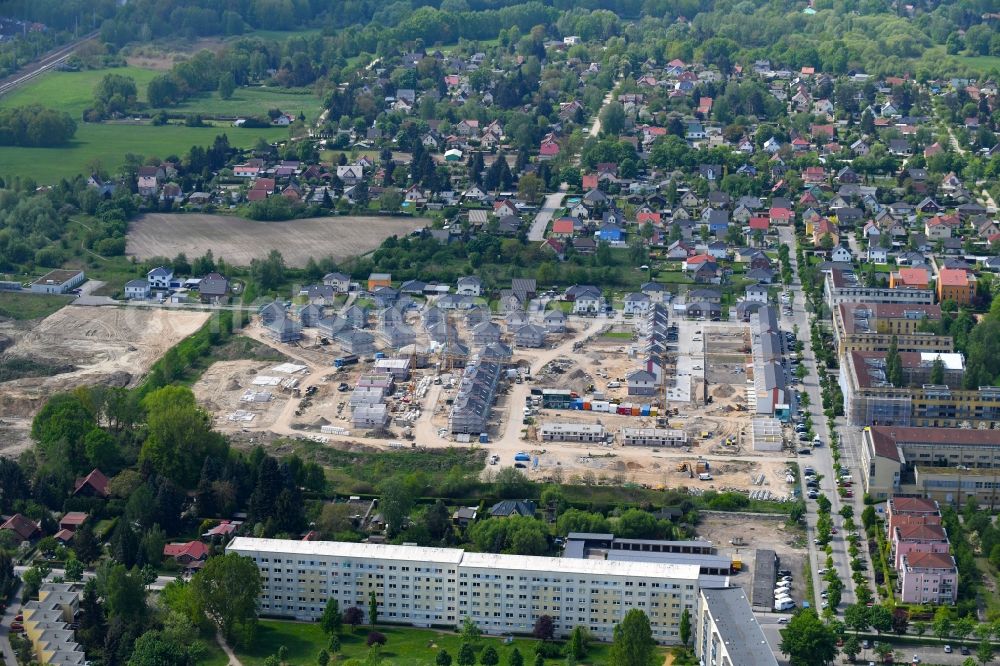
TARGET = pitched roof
x,y
22,526
95,480
196,550
929,560
920,532
953,277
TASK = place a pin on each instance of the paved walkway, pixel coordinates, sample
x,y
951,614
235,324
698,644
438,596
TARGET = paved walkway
x,y
233,659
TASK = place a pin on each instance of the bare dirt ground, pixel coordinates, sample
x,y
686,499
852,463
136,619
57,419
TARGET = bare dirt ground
x,y
221,386
757,533
97,345
238,240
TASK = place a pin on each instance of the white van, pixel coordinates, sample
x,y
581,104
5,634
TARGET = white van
x,y
704,476
614,385
784,604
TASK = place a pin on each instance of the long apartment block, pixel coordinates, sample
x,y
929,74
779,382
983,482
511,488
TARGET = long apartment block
x,y
427,587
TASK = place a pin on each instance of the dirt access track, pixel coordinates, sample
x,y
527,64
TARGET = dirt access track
x,y
85,346
238,240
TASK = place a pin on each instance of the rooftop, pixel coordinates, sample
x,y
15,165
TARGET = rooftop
x,y
738,628
928,561
457,556
57,276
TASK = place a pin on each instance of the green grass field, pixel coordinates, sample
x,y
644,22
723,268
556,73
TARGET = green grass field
x,y
73,92
405,646
109,143
29,306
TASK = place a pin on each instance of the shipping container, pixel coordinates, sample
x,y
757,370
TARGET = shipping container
x,y
601,406
586,406
653,411
645,410
636,411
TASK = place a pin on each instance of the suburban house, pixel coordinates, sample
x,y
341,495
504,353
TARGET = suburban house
x,y
189,554
94,484
22,527
507,508
160,277
637,303
340,282
469,286
137,290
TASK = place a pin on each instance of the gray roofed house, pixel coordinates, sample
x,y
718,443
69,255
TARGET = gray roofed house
x,y
516,318
703,309
529,335
397,334
507,508
485,333
510,302
355,342
413,287
762,275
470,409
641,382
271,312
330,326
310,314
357,316
498,353
456,302
523,288
323,294
746,308
284,330
469,285
213,287
509,225
338,281
442,332
709,295
477,315
555,321
384,296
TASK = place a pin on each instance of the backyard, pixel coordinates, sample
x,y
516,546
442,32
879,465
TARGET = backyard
x,y
405,646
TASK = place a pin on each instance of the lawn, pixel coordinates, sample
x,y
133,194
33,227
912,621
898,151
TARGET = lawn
x,y
29,306
254,102
108,144
72,92
405,646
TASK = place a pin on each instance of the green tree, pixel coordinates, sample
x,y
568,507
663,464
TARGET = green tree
x,y
942,623
334,644
443,658
963,627
323,658
228,587
466,655
396,501
515,658
578,640
372,608
179,435
283,654
937,371
633,643
227,85
489,656
470,631
880,618
74,569
332,620
807,640
851,647
685,628
153,648
529,186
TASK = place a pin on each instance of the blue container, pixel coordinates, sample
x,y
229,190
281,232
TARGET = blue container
x,y
645,410
484,438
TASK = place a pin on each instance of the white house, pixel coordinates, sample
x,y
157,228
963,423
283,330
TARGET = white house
x,y
757,293
637,303
878,255
469,285
841,253
137,290
160,277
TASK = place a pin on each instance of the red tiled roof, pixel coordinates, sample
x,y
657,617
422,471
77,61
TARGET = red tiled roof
x,y
953,277
913,504
760,223
95,480
920,532
196,550
563,225
929,560
22,526
913,276
65,536
73,519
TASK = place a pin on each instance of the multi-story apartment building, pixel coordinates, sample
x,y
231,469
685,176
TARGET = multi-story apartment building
x,y
841,286
869,397
952,465
47,624
928,578
441,586
956,284
873,326
909,539
912,511
727,632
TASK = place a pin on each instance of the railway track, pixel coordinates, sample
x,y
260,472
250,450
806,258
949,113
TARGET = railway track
x,y
44,64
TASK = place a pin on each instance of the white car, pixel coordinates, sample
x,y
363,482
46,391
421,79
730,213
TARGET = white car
x,y
783,620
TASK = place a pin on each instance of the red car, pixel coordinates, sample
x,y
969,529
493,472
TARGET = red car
x,y
16,628
19,617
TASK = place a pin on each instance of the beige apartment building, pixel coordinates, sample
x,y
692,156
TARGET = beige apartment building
x,y
871,327
427,587
950,465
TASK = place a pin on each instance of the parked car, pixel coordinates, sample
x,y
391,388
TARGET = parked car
x,y
947,649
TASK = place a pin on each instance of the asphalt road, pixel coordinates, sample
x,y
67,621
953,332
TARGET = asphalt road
x,y
544,216
8,652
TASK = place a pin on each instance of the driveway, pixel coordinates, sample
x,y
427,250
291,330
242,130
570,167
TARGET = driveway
x,y
551,204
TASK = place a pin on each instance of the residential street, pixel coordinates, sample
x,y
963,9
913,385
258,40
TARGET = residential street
x,y
549,207
821,459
